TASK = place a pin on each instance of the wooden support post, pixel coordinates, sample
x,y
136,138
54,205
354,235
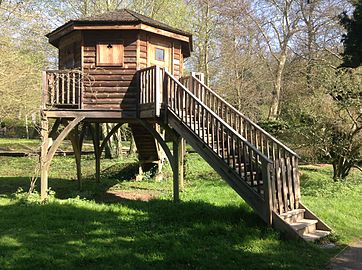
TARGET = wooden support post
x,y
176,170
140,175
47,153
158,93
181,161
97,151
43,158
75,139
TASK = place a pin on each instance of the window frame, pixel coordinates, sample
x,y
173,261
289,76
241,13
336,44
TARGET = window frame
x,y
163,54
98,53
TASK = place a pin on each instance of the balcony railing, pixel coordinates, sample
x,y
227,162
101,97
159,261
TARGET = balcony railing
x,y
62,89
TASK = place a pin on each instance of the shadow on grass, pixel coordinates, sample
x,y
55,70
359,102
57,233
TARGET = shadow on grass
x,y
159,234
78,234
66,188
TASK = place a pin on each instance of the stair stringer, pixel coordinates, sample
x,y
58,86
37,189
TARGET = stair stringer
x,y
254,199
281,225
321,225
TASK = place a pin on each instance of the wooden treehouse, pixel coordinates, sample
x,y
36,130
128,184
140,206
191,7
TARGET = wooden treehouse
x,y
122,67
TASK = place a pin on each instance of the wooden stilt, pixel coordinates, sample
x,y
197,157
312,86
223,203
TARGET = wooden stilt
x,y
181,161
47,153
43,158
97,153
176,170
140,174
75,139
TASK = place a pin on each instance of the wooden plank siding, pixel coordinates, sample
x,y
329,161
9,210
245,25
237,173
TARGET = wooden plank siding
x,y
143,50
114,87
177,61
110,88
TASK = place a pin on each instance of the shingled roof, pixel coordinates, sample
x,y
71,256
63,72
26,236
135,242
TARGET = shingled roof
x,y
121,16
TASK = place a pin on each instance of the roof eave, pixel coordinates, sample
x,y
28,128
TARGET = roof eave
x,y
69,27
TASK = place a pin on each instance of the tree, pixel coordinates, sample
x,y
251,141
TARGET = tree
x,y
23,55
352,40
278,22
333,119
240,73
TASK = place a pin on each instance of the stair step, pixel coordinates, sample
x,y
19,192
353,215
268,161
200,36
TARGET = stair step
x,y
293,216
318,234
304,226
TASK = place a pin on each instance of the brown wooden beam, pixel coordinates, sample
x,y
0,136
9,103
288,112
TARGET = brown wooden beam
x,y
91,114
43,159
77,145
47,155
96,140
176,171
109,135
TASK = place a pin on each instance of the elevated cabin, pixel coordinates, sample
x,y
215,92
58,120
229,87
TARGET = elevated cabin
x,y
99,57
124,67
98,78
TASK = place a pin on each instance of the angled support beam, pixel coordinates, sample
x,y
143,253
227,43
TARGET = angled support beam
x,y
55,127
62,136
47,155
109,135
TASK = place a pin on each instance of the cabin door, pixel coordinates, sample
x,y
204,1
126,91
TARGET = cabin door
x,y
159,53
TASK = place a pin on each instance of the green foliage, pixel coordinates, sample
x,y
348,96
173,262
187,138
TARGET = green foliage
x,y
275,127
352,40
329,121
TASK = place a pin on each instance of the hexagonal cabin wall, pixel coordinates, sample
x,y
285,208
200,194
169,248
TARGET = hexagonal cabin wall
x,y
115,87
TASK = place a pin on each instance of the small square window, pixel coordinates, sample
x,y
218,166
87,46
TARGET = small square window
x,y
110,54
160,54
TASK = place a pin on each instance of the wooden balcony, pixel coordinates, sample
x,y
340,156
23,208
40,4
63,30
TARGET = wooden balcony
x,y
62,89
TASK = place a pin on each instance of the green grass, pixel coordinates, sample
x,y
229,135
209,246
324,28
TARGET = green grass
x,y
18,144
33,144
211,228
337,203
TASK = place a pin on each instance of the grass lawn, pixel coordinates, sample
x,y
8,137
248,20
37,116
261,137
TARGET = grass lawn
x,y
212,228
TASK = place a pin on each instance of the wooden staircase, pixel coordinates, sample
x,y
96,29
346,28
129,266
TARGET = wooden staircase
x,y
149,152
262,170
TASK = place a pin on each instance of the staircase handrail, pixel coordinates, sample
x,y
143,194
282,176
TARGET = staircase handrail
x,y
235,133
265,133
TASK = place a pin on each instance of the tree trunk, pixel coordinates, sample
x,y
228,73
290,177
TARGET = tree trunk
x,y
132,147
108,146
26,126
275,103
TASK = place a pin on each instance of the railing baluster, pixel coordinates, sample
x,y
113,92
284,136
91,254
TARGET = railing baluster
x,y
251,167
290,184
239,156
73,88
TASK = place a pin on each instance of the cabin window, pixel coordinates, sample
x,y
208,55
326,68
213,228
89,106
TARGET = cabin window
x,y
110,54
160,54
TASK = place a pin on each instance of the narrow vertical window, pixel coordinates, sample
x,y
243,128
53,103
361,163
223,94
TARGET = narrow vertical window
x,y
160,54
